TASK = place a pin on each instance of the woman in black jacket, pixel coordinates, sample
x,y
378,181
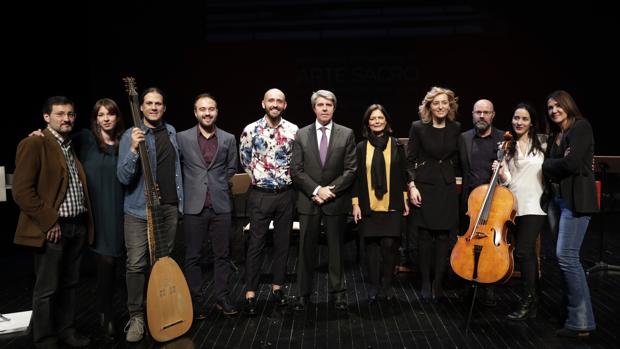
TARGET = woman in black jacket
x,y
568,167
432,155
380,198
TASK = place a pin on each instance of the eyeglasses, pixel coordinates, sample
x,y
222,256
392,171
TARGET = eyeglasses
x,y
63,114
483,112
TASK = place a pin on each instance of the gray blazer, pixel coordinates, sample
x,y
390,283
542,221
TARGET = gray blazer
x,y
339,170
198,178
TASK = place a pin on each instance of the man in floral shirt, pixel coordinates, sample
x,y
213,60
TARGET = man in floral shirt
x,y
265,153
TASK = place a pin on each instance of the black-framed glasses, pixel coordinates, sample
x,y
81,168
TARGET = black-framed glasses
x,y
69,114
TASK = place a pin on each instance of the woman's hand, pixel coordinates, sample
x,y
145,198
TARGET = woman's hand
x,y
415,197
502,175
357,213
406,209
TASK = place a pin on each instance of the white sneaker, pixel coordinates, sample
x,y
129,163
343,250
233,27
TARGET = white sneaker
x,y
135,328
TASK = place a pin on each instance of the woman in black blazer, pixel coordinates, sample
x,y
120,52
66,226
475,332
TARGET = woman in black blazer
x,y
380,198
568,168
432,154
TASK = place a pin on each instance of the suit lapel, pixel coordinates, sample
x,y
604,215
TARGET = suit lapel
x,y
313,143
332,139
51,139
219,146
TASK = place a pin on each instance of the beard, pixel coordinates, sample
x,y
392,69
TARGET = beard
x,y
274,112
481,126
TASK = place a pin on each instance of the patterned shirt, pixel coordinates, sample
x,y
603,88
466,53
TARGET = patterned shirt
x,y
265,153
73,204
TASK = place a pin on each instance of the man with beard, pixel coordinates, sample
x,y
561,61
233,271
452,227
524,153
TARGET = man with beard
x,y
209,161
50,189
477,151
265,151
161,145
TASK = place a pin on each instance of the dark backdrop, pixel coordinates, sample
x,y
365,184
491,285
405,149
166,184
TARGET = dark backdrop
x,y
365,51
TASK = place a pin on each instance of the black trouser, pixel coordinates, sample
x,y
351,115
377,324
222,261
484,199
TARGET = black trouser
x,y
527,229
57,271
432,242
265,207
382,252
310,227
199,228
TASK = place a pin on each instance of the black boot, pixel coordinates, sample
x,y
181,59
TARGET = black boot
x,y
107,325
527,309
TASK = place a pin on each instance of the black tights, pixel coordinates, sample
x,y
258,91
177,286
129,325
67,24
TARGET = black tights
x,y
106,273
528,228
432,241
382,254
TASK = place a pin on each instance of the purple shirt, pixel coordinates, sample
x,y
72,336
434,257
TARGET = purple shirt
x,y
208,148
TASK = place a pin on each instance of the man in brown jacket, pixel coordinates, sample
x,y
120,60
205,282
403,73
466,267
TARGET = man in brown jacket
x,y
49,187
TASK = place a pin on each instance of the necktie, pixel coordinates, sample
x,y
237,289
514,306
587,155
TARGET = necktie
x,y
323,146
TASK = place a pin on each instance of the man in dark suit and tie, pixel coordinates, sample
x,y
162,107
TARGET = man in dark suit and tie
x,y
209,161
323,168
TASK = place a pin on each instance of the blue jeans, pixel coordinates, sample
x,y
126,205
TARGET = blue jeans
x,y
571,231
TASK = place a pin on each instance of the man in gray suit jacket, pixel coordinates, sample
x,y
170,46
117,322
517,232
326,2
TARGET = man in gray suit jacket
x,y
323,169
209,161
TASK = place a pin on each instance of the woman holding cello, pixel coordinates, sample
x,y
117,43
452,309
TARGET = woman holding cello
x,y
432,155
521,172
568,167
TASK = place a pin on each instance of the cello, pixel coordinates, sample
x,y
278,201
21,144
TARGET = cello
x,y
483,254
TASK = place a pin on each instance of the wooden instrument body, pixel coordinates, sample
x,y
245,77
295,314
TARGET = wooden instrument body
x,y
495,263
169,309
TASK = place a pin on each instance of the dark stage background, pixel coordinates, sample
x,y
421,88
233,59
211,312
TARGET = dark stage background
x,y
365,51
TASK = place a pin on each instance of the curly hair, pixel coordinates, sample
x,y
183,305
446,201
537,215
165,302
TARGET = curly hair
x,y
424,110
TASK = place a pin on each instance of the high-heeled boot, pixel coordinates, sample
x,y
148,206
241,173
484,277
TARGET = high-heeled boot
x,y
107,325
527,309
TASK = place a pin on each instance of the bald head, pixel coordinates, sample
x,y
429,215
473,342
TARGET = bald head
x,y
274,92
274,103
484,104
483,115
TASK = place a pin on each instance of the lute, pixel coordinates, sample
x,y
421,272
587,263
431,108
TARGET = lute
x,y
169,309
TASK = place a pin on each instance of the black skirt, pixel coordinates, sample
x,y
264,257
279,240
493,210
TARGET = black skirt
x,y
381,224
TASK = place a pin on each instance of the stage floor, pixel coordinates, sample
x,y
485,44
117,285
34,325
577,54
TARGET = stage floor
x,y
404,323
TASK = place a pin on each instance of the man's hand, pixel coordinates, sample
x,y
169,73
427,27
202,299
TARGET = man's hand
x,y
317,200
54,234
137,136
325,193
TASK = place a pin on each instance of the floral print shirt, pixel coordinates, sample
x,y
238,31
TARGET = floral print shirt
x,y
265,153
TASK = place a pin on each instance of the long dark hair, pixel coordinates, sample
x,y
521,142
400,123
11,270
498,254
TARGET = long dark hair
x,y
566,102
532,134
119,128
366,129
